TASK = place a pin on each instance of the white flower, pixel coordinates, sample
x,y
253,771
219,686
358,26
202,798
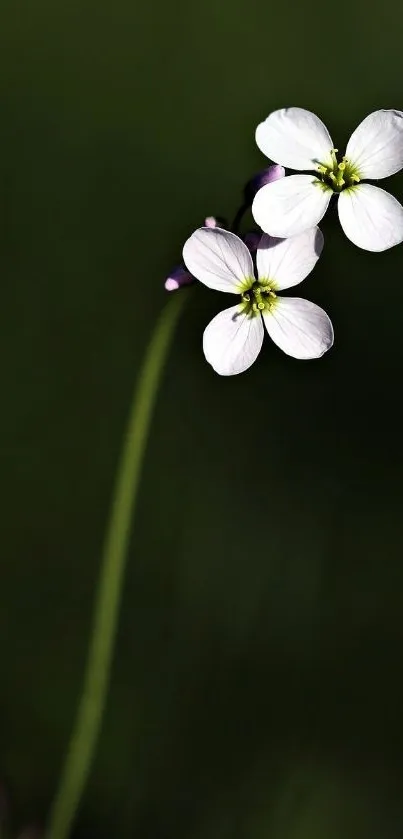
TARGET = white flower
x,y
233,339
369,216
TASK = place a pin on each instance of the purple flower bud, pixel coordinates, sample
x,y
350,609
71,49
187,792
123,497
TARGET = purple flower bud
x,y
178,277
266,176
252,239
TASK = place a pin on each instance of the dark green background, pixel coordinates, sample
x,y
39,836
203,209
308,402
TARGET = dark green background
x,y
257,688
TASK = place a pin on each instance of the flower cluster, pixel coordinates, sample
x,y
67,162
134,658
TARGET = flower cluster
x,y
288,208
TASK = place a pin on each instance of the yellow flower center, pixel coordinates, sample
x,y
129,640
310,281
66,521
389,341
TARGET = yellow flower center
x,y
338,176
259,297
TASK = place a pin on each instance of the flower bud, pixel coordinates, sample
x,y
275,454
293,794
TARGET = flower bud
x,y
265,176
178,277
215,221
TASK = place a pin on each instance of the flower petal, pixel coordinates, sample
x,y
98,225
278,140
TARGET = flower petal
x,y
295,138
219,259
299,327
232,341
376,146
291,205
289,261
371,217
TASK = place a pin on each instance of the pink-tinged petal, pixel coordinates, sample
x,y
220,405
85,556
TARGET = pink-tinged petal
x,y
371,217
296,138
300,328
219,259
288,261
291,205
375,148
232,341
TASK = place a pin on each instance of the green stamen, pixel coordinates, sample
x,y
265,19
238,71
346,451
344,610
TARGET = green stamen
x,y
338,176
259,298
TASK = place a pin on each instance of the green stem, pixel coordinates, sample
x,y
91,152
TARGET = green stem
x,y
88,721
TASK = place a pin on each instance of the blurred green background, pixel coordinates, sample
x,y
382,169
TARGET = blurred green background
x,y
257,686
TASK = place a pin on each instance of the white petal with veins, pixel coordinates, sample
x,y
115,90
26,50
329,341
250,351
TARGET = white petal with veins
x,y
219,259
371,217
300,328
290,206
295,138
232,341
376,146
289,261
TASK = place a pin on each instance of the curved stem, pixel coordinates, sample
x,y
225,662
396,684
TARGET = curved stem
x,y
88,721
239,216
